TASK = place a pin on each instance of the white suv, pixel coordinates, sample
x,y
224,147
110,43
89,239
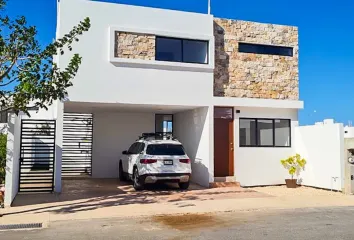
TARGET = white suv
x,y
155,158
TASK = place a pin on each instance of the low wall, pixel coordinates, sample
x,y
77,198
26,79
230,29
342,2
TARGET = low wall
x,y
322,146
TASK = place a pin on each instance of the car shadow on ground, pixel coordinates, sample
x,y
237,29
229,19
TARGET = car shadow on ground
x,y
91,194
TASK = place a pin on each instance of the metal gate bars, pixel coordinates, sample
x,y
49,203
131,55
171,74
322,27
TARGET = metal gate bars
x,y
77,144
37,155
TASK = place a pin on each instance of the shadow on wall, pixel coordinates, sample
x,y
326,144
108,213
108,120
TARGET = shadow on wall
x,y
189,130
222,62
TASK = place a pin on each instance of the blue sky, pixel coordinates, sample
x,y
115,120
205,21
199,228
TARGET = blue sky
x,y
326,41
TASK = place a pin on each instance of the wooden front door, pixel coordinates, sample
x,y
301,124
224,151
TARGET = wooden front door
x,y
223,142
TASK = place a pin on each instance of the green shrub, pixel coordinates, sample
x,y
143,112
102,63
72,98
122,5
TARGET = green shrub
x,y
294,164
3,141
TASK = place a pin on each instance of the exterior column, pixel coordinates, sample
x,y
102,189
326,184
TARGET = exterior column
x,y
58,146
12,158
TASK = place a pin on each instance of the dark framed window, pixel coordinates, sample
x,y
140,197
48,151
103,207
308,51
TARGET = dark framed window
x,y
165,149
265,49
181,50
259,132
133,148
4,116
164,123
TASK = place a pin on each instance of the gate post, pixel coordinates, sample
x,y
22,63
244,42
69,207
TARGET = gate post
x,y
58,146
12,158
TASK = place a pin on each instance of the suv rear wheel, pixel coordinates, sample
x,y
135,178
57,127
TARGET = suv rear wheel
x,y
183,185
122,177
137,184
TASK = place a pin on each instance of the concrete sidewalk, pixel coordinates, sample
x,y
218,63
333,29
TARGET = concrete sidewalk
x,y
195,201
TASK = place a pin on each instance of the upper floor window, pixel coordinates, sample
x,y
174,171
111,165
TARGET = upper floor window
x,y
265,49
181,50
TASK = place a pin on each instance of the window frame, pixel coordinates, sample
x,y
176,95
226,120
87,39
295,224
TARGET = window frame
x,y
264,45
172,121
181,42
257,145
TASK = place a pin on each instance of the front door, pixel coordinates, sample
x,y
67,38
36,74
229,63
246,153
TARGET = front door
x,y
223,141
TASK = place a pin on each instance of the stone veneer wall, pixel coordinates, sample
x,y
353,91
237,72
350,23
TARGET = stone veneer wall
x,y
135,46
254,75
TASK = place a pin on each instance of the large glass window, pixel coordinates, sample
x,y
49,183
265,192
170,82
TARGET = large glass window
x,y
265,132
265,49
181,50
164,123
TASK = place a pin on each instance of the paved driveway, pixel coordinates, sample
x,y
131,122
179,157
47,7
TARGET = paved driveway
x,y
84,195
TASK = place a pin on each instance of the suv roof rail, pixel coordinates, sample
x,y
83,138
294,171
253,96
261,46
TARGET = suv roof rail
x,y
158,135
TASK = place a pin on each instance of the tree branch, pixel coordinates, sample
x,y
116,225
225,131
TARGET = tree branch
x,y
5,84
8,70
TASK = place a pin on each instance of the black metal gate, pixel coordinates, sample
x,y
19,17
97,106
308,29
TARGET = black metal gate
x,y
77,144
37,156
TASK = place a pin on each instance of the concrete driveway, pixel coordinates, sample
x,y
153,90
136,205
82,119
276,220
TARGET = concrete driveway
x,y
123,193
95,198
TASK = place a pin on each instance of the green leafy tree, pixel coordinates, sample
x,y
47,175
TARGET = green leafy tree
x,y
3,141
28,75
294,164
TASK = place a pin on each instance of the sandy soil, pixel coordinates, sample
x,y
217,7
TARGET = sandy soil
x,y
279,191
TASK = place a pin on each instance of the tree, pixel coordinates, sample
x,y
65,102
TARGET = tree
x,y
28,75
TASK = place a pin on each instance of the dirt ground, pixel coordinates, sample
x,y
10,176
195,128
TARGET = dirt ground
x,y
280,191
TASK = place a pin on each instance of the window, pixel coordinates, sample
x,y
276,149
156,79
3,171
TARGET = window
x,y
4,116
164,123
248,132
265,49
224,112
181,50
136,148
165,149
265,132
282,132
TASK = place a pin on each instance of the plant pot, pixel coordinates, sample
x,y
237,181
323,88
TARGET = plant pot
x,y
291,183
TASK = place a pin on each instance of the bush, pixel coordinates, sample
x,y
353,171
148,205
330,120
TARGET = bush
x,y
294,164
3,141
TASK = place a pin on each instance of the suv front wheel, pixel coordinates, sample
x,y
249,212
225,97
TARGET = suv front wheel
x,y
137,184
183,185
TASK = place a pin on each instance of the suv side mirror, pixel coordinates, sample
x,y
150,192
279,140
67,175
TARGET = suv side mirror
x,y
125,152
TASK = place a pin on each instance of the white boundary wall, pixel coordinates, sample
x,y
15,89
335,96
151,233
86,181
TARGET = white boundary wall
x,y
323,148
13,150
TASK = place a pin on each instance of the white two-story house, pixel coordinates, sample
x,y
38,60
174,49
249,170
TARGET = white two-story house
x,y
227,89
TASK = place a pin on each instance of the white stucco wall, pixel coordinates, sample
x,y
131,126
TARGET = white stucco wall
x,y
261,165
3,128
193,128
12,158
348,132
114,132
100,80
323,148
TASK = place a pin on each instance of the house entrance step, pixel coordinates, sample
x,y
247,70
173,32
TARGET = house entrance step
x,y
225,179
224,184
229,181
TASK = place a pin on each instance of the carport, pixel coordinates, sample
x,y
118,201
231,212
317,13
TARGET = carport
x,y
114,127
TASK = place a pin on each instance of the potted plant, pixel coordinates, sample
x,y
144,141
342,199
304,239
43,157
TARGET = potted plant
x,y
294,165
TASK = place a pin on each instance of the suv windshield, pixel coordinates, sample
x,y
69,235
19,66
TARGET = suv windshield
x,y
165,149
